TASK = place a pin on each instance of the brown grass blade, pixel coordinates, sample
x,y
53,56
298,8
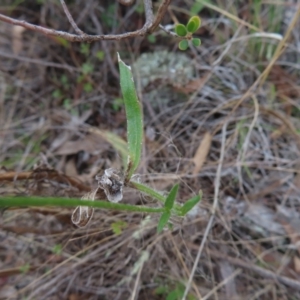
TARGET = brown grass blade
x,y
202,152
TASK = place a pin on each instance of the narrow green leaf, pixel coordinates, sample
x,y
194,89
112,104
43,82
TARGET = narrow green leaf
x,y
196,8
193,24
119,144
196,42
112,138
134,118
171,197
180,30
190,204
183,45
163,221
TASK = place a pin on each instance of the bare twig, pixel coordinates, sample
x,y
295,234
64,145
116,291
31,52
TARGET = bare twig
x,y
149,12
213,212
70,18
160,14
150,25
295,284
51,174
165,29
242,153
110,62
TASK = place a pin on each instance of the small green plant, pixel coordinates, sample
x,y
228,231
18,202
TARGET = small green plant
x,y
186,33
25,268
117,227
113,181
171,292
57,249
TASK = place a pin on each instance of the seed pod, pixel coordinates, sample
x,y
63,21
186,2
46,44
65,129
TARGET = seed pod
x,y
112,182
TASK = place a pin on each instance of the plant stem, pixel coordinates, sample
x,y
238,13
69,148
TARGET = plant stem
x,y
149,191
50,201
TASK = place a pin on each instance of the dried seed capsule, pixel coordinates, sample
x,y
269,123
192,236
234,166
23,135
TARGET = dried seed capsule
x,y
112,182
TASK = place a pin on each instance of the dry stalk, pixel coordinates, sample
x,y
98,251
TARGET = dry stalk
x,y
151,24
213,212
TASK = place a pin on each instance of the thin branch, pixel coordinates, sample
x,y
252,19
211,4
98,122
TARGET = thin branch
x,y
73,37
214,208
148,13
70,18
295,284
165,29
148,27
110,62
48,174
160,14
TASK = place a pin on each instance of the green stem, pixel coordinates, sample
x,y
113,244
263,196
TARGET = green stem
x,y
149,191
41,201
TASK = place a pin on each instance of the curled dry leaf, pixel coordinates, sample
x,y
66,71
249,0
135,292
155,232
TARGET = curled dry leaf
x,y
83,214
202,152
112,182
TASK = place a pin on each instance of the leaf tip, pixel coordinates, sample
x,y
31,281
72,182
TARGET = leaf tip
x,y
121,61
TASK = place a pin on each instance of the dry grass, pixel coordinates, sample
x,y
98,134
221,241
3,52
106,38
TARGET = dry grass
x,y
52,94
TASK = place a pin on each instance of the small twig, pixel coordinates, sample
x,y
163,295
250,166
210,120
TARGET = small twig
x,y
168,31
213,212
51,174
223,282
242,153
148,27
110,62
261,271
70,18
73,37
136,284
148,13
160,14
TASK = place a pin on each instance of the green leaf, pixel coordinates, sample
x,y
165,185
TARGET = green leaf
x,y
100,55
62,41
163,221
176,294
196,42
25,268
196,8
134,118
171,197
180,30
85,49
57,249
118,227
151,38
161,290
183,45
87,87
119,144
188,205
194,24
87,68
